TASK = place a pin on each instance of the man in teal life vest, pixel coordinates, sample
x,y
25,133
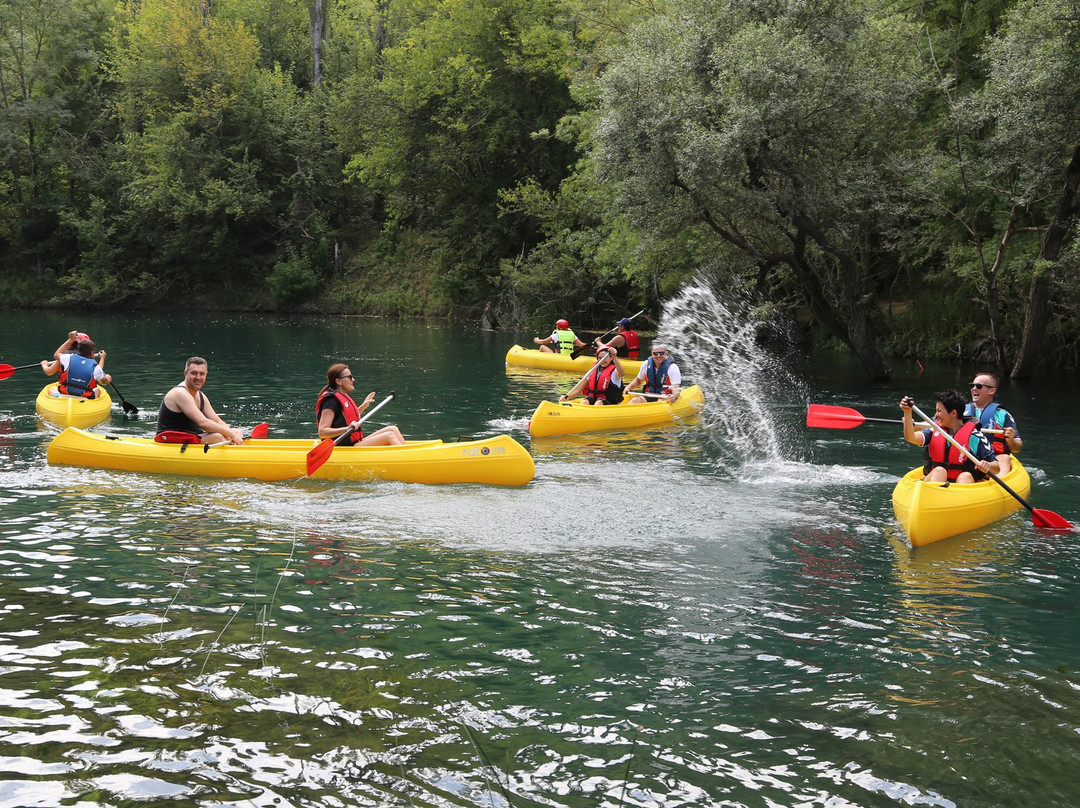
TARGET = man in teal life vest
x,y
943,461
80,375
562,338
989,415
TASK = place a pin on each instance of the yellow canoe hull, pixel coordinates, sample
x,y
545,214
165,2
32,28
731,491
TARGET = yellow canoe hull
x,y
930,512
574,417
541,360
500,460
67,411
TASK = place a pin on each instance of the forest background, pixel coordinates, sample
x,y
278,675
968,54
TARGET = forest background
x,y
896,179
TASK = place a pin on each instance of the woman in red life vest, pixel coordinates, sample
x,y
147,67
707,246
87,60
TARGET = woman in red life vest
x,y
944,462
336,411
603,383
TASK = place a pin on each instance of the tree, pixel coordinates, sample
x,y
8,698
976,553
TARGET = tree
x,y
455,110
49,110
782,132
1031,100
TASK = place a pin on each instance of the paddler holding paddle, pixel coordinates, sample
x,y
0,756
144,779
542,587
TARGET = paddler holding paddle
x,y
338,414
661,376
80,375
944,462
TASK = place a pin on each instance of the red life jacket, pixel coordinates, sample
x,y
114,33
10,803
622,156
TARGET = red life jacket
x,y
598,385
348,409
939,452
633,344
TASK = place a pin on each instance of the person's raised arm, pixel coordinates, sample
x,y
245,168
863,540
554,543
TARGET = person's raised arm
x,y
73,337
910,435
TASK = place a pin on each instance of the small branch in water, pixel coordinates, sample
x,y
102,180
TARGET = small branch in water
x,y
487,763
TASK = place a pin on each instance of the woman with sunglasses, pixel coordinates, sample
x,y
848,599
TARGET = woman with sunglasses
x,y
336,411
990,415
660,375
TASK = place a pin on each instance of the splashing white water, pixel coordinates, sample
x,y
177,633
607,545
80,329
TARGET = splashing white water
x,y
715,342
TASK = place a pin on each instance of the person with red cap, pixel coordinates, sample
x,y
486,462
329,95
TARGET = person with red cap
x,y
80,375
562,337
602,384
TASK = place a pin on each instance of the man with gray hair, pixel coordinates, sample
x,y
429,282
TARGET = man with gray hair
x,y
661,376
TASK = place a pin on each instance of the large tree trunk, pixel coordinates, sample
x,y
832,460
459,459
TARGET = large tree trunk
x,y
318,37
1038,311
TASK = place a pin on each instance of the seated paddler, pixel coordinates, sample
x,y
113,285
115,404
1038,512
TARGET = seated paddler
x,y
943,462
337,413
186,414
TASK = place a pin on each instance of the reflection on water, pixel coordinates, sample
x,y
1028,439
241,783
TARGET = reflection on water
x,y
654,621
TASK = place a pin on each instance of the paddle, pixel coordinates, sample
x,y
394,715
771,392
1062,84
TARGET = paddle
x,y
574,354
830,417
7,370
130,409
321,453
1041,518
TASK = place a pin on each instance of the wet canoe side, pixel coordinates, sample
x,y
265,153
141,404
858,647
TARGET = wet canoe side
x,y
930,512
574,417
531,358
67,411
500,460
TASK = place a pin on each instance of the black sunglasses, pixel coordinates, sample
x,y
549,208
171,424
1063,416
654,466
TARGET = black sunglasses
x,y
659,353
977,386
346,376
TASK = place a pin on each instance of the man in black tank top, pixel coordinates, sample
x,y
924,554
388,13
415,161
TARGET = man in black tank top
x,y
186,408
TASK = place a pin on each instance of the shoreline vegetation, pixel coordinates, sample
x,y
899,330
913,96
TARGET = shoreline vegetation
x,y
886,181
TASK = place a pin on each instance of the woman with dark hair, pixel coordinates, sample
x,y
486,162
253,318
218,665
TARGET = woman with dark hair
x,y
336,411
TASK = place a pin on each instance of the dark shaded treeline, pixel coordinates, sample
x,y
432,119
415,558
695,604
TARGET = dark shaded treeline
x,y
895,181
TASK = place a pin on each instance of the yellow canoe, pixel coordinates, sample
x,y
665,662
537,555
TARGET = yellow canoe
x,y
572,417
541,360
500,460
930,512
70,411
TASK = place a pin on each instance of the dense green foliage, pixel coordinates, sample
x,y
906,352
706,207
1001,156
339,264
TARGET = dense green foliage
x,y
901,180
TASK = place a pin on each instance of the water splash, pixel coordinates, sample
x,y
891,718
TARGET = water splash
x,y
716,341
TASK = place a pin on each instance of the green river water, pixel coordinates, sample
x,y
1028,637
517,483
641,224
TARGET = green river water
x,y
718,613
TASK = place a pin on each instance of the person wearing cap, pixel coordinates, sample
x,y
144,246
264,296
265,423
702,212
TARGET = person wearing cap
x,y
660,375
562,337
626,342
602,384
69,345
80,375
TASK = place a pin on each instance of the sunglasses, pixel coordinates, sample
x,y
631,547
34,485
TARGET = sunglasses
x,y
659,353
344,376
977,386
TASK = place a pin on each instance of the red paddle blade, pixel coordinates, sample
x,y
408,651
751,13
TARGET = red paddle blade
x,y
1049,519
6,371
319,455
829,417
260,432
